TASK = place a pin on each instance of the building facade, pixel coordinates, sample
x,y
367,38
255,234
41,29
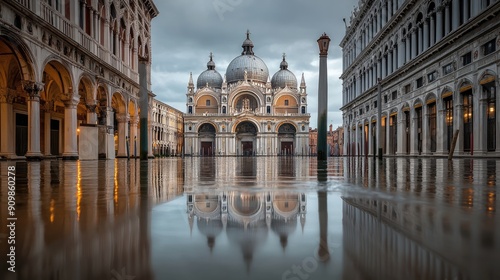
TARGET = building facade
x,y
69,76
334,140
167,128
246,112
435,65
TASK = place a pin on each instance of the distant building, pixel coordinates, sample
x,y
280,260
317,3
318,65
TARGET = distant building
x,y
167,129
335,141
69,76
247,112
437,63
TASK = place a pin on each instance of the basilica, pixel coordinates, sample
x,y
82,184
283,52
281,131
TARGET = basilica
x,y
246,113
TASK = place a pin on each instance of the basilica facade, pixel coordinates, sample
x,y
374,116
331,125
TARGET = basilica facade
x,y
247,112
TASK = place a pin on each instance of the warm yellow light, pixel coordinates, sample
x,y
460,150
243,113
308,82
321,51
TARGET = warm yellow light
x,y
51,209
492,109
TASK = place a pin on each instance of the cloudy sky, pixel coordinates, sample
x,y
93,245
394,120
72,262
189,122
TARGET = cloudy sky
x,y
186,31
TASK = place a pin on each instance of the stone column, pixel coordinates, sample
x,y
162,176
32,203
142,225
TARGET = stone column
x,y
407,48
432,31
440,127
447,27
426,35
370,138
456,14
413,132
439,24
33,90
413,43
70,149
389,62
480,126
420,35
134,143
91,114
426,138
458,123
401,149
401,52
395,59
47,108
7,123
122,134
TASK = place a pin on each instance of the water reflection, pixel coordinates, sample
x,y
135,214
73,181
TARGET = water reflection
x,y
255,218
423,219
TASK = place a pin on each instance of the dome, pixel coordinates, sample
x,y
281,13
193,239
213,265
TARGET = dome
x,y
255,67
284,77
210,77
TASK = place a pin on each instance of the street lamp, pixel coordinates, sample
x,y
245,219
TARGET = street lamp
x,y
323,43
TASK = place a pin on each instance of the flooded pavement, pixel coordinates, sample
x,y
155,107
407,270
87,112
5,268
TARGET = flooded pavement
x,y
252,218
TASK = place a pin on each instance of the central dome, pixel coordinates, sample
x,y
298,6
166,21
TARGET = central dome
x,y
255,67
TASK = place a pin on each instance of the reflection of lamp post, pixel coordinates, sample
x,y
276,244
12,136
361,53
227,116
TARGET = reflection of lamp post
x,y
323,43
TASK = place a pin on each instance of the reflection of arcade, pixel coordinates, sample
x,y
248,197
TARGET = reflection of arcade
x,y
246,217
394,240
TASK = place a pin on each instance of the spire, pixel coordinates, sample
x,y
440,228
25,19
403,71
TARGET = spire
x,y
284,64
190,79
211,63
247,45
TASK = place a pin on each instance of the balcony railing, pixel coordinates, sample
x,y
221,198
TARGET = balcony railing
x,y
56,19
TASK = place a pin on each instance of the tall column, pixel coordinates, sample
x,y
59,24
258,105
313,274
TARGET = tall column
x,y
395,59
33,90
389,62
426,137
70,149
447,27
456,14
480,126
458,123
407,48
439,24
134,143
414,132
440,127
401,52
432,28
420,35
323,43
401,134
47,108
384,66
426,35
7,123
370,137
122,134
384,15
414,42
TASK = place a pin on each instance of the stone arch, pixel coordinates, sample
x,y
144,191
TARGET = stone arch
x,y
87,102
118,103
57,79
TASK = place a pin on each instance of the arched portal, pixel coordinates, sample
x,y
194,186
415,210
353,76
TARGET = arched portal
x,y
15,67
246,134
206,134
120,124
286,138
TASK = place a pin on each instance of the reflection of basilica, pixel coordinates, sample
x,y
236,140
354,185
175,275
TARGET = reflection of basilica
x,y
246,112
246,217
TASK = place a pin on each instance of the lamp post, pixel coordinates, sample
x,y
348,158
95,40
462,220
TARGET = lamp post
x,y
323,43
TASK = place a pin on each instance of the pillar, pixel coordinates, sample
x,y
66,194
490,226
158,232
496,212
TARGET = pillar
x,y
91,114
33,90
480,126
47,128
7,123
413,132
432,30
70,148
447,15
440,127
414,42
122,134
426,138
439,25
456,14
426,35
134,143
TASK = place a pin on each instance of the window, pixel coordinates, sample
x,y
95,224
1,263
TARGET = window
x,y
489,47
374,104
223,109
448,68
466,58
360,112
303,109
367,108
385,98
190,110
286,102
432,76
420,82
394,95
207,102
269,109
407,88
